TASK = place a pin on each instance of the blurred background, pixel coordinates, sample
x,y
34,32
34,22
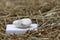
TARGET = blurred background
x,y
46,13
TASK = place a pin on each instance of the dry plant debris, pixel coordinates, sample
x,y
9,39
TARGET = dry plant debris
x,y
46,13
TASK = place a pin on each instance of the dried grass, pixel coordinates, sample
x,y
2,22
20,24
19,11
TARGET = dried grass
x,y
49,26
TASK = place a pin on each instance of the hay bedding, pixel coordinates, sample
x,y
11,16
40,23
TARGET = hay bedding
x,y
49,26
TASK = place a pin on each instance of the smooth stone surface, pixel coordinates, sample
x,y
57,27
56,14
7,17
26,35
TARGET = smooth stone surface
x,y
12,29
25,22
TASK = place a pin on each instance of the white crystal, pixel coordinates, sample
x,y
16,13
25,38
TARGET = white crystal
x,y
12,29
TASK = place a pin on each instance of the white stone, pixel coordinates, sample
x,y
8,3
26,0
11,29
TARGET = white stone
x,y
12,29
26,22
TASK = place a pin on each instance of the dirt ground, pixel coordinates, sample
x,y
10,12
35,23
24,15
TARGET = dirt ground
x,y
46,13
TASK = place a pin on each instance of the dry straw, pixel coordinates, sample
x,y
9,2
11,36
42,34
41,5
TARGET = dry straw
x,y
37,11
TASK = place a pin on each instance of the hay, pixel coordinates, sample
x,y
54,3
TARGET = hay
x,y
49,26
